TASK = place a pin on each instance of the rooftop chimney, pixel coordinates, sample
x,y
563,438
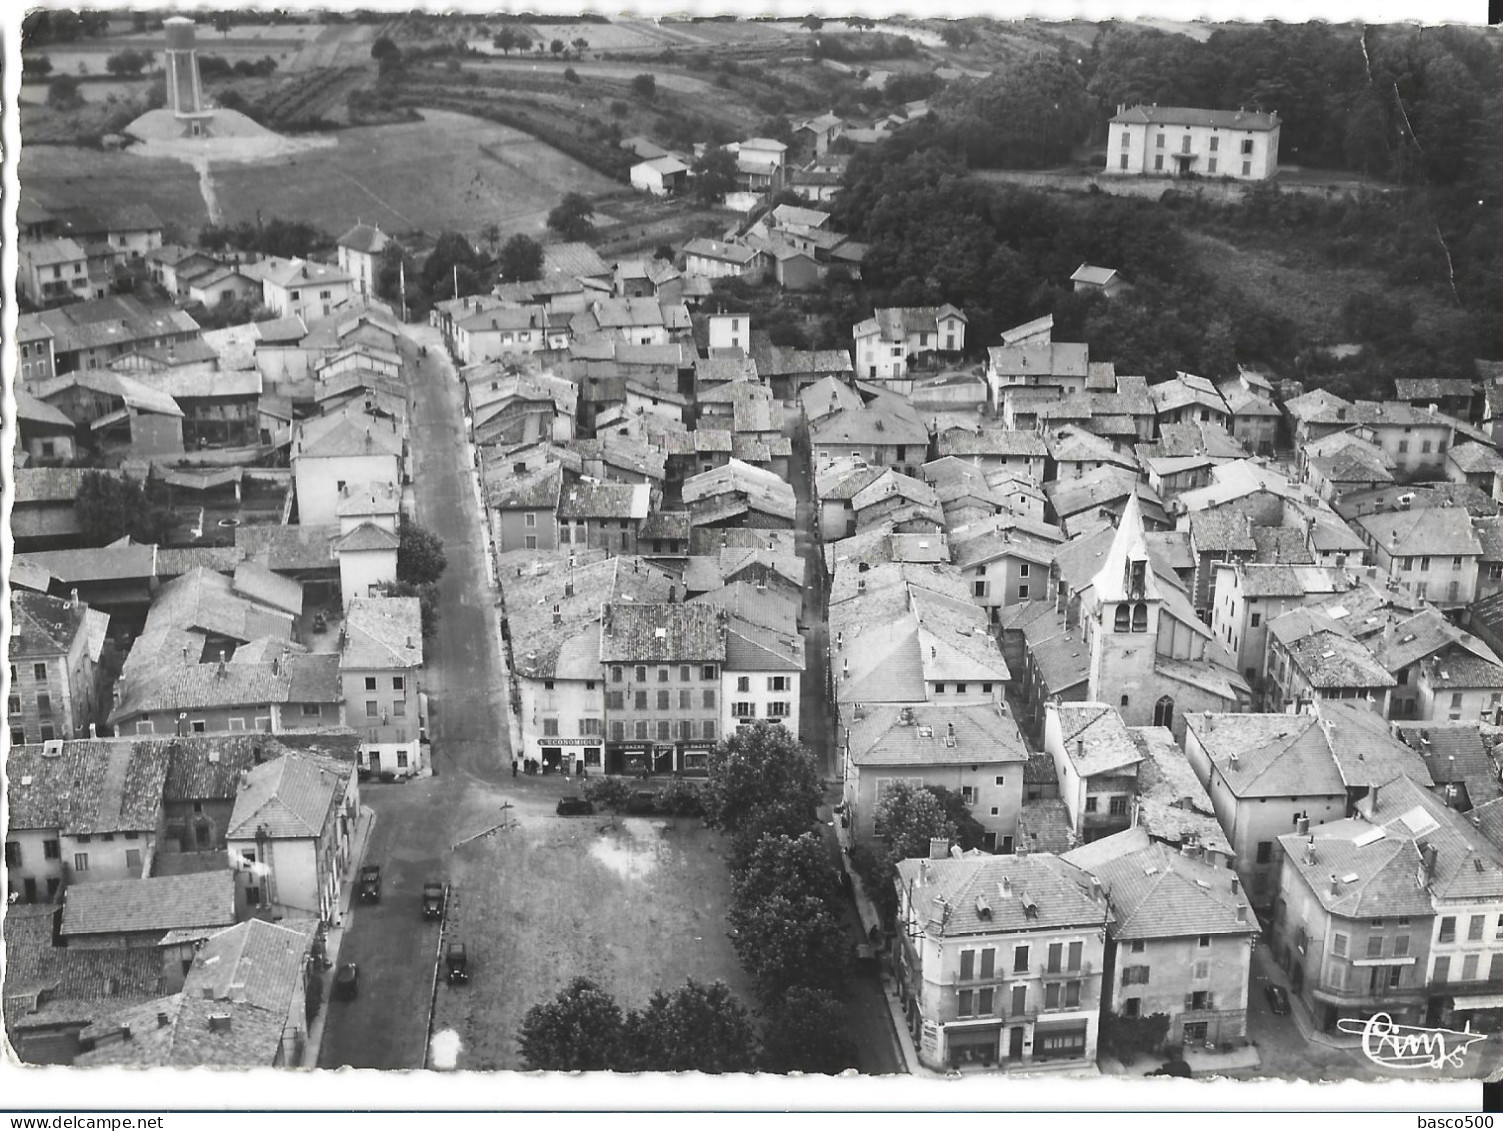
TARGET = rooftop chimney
x,y
1241,912
1335,885
939,847
1004,889
1310,851
1095,888
219,1022
1302,826
1428,854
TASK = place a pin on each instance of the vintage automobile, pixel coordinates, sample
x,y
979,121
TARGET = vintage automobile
x,y
370,883
433,900
1278,998
456,964
574,807
347,981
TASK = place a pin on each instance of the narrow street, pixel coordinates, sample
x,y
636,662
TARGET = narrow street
x,y
464,676
386,1025
816,712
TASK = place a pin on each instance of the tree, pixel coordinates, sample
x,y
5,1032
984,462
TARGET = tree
x,y
63,91
790,939
570,218
223,22
521,259
607,793
663,251
453,256
813,23
420,554
571,75
1126,1038
579,46
804,1031
490,235
907,818
787,864
969,832
557,46
645,87
579,1030
109,507
505,39
714,174
696,1028
524,40
758,768
36,66
128,63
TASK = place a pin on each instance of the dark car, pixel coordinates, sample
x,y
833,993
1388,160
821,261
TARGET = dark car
x,y
347,981
574,807
642,802
433,900
1278,998
370,883
457,964
1174,1068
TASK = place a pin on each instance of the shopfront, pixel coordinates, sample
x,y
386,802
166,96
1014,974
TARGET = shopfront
x,y
1060,1040
974,1043
570,755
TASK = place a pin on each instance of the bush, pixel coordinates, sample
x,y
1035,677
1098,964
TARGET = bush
x,y
607,793
619,108
63,91
680,798
571,75
645,87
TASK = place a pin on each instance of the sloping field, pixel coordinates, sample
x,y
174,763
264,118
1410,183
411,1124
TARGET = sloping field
x,y
430,174
67,176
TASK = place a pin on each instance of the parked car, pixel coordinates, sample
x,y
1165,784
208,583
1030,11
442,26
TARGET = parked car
x,y
370,883
642,802
433,900
574,807
1278,998
457,965
1174,1068
347,981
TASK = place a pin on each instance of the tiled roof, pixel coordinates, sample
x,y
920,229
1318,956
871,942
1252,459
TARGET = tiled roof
x,y
664,633
346,433
1269,755
43,625
290,797
104,563
990,442
1365,750
1044,825
1033,359
1475,458
382,633
153,903
535,490
1195,116
1157,893
1332,661
1057,892
89,786
874,423
751,647
366,536
290,549
935,734
1173,806
364,237
1432,388
745,602
256,582
1454,753
1096,740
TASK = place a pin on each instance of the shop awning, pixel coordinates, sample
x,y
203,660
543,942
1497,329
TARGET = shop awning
x,y
1478,1001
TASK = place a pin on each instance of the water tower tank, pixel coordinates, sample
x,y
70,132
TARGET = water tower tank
x,y
180,34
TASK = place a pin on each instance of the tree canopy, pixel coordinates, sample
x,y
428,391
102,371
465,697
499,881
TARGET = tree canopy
x,y
760,769
571,217
109,507
521,259
420,554
578,1030
714,173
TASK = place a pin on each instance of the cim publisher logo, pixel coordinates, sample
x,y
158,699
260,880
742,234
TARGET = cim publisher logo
x,y
1410,1046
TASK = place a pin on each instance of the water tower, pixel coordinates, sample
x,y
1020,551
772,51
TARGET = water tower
x,y
184,94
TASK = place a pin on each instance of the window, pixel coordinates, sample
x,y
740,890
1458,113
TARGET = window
x,y
1448,929
1265,851
1051,995
12,854
1056,954
200,726
1442,969
939,689
1247,168
1475,927
709,729
1211,162
529,519
1203,942
965,1003
1020,960
1401,946
967,965
1126,139
664,730
39,671
1090,804
1201,970
1375,946
1124,161
13,704
80,861
709,698
1158,161
133,859
988,963
1137,946
1117,806
370,683
1158,142
618,731
641,728
778,710
1469,968
1425,563
683,673
662,675
1184,144
778,683
708,672
372,709
663,700
550,728
1246,146
1338,945
978,588
1022,592
639,700
614,701
641,674
743,683
616,673
960,689
1215,144
51,850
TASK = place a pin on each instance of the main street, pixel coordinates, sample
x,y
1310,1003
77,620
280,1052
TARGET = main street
x,y
385,1027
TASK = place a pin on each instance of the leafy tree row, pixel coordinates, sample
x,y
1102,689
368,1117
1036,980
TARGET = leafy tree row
x,y
278,237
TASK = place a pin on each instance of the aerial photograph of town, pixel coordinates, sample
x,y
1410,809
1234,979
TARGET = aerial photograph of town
x,y
854,547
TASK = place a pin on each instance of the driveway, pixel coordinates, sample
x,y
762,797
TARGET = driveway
x,y
463,676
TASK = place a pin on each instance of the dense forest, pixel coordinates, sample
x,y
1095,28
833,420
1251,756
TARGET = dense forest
x,y
1419,107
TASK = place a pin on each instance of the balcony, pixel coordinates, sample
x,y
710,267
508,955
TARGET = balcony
x,y
1085,970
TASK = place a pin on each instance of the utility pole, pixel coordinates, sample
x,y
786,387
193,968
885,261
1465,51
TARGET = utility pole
x,y
402,284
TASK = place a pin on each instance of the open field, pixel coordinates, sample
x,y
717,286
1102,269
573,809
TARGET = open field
x,y
637,904
71,176
430,175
